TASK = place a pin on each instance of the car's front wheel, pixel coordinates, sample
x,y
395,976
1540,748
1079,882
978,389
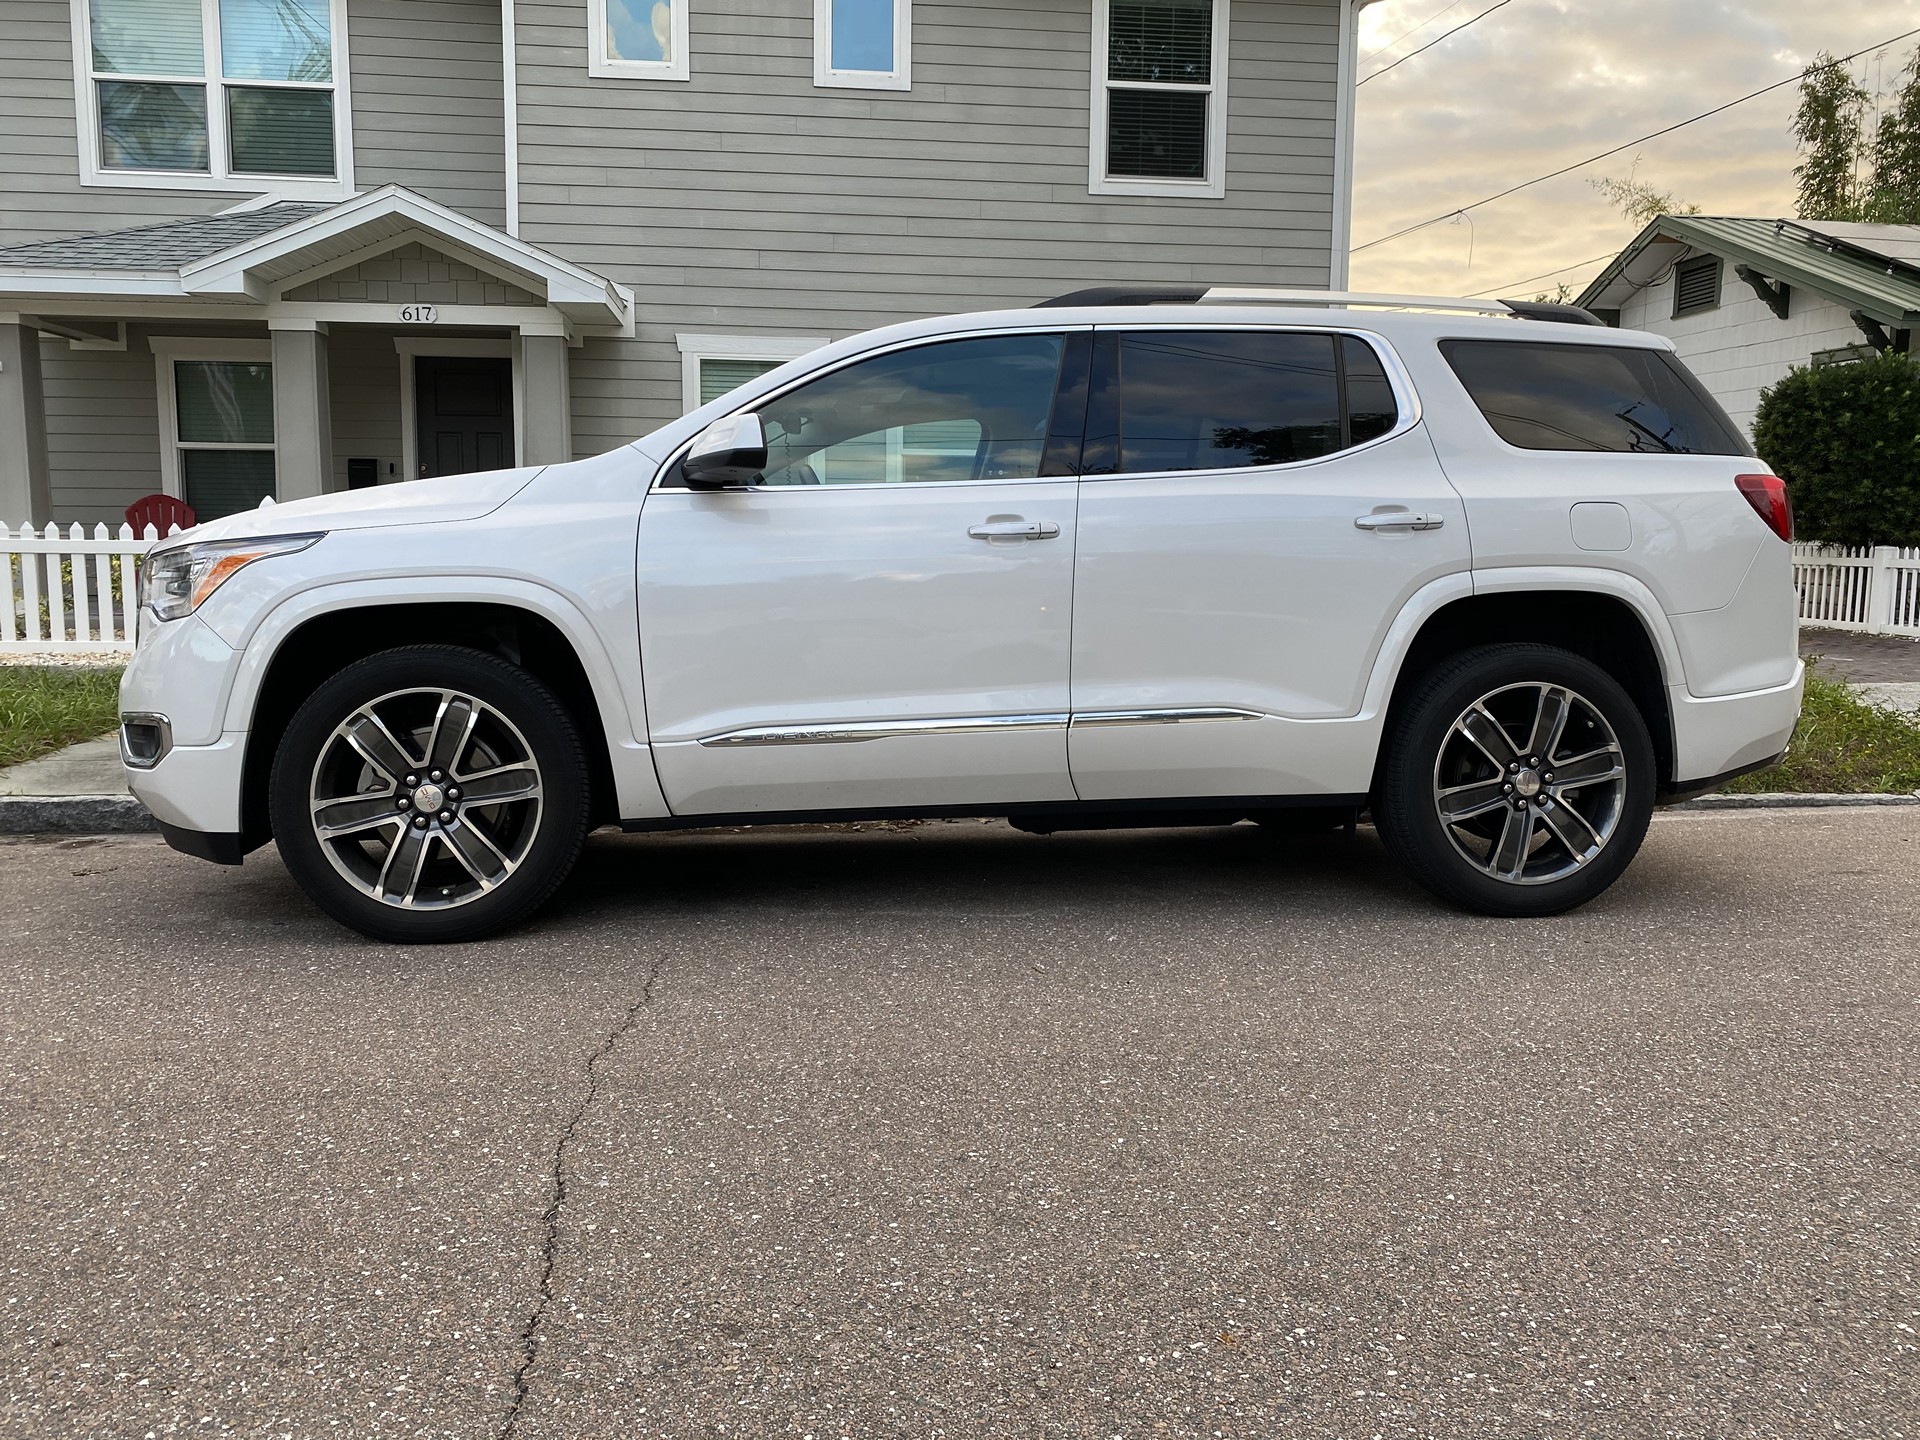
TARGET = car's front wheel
x,y
1518,780
430,793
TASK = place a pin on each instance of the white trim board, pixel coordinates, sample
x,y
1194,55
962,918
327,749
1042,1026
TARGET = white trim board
x,y
1346,108
900,77
602,64
1214,186
218,178
695,348
410,348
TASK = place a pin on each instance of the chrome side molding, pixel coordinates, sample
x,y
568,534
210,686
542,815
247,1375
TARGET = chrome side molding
x,y
1101,718
853,732
856,731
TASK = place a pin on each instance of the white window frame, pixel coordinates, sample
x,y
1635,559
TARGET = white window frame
x,y
1214,185
217,176
825,77
169,348
602,64
772,349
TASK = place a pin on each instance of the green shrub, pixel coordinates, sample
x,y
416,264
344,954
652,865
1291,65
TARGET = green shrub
x,y
1846,439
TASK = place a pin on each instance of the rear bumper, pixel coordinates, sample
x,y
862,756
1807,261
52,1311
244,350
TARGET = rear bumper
x,y
1716,740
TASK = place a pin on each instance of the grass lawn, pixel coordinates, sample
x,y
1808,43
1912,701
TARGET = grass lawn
x,y
43,707
1844,746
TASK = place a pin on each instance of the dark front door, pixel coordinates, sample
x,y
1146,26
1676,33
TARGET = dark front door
x,y
464,410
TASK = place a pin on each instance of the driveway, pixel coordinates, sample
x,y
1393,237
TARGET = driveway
x,y
949,1131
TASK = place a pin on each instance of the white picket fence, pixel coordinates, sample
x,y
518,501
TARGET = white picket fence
x,y
71,592
1875,588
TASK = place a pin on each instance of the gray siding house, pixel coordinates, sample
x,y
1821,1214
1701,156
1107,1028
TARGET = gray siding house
x,y
281,247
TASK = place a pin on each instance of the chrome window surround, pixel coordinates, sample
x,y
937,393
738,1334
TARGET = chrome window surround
x,y
1405,397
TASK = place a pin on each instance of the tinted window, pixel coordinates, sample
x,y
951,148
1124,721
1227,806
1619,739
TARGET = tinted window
x,y
1591,397
1217,400
1371,408
957,410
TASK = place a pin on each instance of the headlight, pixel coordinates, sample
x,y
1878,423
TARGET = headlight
x,y
176,581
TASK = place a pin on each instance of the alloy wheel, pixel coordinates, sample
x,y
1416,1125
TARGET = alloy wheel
x,y
426,799
1530,783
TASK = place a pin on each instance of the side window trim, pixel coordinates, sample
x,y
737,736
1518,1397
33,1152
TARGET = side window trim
x,y
1100,454
668,476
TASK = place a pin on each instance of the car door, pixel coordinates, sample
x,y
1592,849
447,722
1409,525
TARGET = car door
x,y
1257,505
884,619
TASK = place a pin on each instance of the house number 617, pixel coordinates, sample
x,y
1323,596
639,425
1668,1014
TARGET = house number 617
x,y
419,314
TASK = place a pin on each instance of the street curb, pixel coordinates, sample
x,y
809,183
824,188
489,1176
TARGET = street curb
x,y
1791,802
74,815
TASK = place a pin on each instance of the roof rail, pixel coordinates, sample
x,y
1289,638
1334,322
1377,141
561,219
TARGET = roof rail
x,y
1317,299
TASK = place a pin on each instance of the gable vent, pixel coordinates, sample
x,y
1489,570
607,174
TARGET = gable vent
x,y
1696,285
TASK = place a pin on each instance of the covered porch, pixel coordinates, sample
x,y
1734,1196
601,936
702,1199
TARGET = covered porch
x,y
284,350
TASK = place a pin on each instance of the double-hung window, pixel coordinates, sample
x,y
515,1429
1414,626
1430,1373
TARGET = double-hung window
x,y
1159,97
216,423
213,94
863,44
638,39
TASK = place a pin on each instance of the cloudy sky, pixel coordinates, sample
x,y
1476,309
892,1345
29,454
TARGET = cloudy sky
x,y
1543,83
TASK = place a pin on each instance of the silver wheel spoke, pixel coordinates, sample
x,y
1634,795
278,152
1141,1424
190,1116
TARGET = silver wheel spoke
x,y
473,849
1509,855
1488,736
1549,722
334,818
1589,769
1463,802
452,729
367,733
505,782
1571,830
400,874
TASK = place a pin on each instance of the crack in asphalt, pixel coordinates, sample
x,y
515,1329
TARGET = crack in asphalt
x,y
530,1333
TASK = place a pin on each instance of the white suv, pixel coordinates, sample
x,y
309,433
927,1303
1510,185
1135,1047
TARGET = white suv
x,y
1133,558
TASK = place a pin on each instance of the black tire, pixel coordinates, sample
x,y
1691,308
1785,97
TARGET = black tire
x,y
1559,865
531,840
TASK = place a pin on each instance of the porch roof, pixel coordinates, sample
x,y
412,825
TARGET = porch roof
x,y
250,258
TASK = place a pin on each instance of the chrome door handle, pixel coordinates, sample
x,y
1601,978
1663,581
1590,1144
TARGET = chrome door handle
x,y
1399,520
1014,530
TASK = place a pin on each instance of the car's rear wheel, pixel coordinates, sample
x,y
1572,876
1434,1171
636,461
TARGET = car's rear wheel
x,y
430,793
1518,780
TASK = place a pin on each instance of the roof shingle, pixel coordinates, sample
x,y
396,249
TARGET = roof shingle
x,y
159,247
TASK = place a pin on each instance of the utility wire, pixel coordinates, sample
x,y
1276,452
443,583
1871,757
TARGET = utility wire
x,y
1606,154
1382,49
1435,41
1548,276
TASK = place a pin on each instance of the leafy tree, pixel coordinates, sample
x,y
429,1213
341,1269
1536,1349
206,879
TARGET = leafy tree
x,y
1846,439
1829,128
1893,198
1639,201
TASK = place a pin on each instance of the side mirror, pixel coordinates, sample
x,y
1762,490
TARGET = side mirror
x,y
727,454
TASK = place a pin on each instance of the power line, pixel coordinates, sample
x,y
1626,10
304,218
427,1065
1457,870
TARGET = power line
x,y
1382,49
1435,41
1605,154
1548,276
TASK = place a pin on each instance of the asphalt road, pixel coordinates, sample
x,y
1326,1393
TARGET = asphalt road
x,y
950,1131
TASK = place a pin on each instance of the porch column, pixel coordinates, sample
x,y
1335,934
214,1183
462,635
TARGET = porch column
x,y
547,420
302,410
25,498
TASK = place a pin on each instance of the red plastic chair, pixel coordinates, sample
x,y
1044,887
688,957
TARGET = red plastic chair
x,y
160,511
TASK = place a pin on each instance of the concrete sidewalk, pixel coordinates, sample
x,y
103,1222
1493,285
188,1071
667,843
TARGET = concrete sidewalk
x,y
1883,669
80,790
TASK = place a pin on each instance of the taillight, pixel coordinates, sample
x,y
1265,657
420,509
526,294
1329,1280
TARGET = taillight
x,y
1768,496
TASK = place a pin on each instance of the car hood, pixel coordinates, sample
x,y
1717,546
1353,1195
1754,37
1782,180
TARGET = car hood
x,y
409,502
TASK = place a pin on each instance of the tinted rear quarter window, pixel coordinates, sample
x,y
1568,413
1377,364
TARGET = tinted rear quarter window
x,y
1543,396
